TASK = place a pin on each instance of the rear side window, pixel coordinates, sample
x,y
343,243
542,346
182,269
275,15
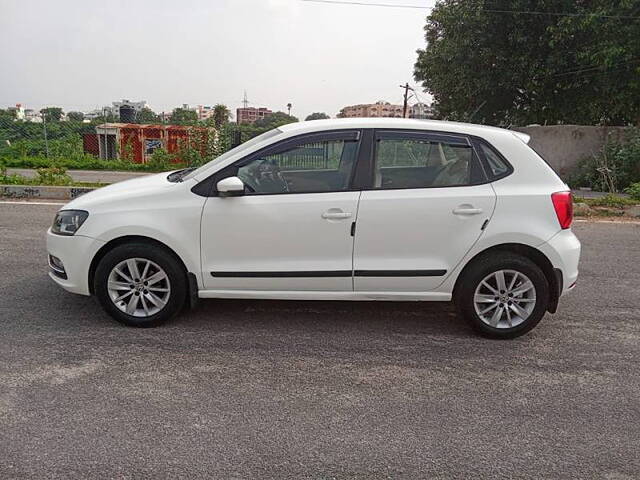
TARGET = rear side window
x,y
423,163
497,166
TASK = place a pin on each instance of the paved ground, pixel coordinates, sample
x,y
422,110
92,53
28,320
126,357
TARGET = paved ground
x,y
257,389
94,176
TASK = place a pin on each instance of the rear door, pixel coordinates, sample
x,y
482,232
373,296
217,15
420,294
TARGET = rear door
x,y
425,207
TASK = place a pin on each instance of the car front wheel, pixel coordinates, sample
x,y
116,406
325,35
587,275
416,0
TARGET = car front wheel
x,y
503,296
140,285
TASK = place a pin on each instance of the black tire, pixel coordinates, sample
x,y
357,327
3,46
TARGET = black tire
x,y
486,265
161,257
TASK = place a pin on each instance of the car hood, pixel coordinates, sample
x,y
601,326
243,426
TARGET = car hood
x,y
128,190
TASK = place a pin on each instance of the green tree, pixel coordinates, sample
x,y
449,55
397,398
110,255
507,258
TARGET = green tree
x,y
502,66
146,115
53,114
317,116
221,115
274,120
107,116
183,116
75,116
7,115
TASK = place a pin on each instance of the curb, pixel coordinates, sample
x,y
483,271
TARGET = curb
x,y
42,191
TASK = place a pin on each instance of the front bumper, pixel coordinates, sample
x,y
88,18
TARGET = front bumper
x,y
75,253
563,250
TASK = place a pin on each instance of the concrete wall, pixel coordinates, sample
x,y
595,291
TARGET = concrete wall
x,y
46,192
564,145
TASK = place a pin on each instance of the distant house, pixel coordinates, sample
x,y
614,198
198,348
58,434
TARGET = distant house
x,y
251,114
385,109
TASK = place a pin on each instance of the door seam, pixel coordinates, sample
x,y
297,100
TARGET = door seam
x,y
353,244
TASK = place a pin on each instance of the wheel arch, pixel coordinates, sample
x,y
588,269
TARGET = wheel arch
x,y
111,244
553,275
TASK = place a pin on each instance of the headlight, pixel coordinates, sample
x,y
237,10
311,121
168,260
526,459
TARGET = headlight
x,y
67,222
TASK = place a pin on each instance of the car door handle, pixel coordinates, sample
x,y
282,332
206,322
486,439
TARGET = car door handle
x,y
467,211
329,215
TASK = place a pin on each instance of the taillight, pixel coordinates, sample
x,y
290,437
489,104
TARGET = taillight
x,y
563,205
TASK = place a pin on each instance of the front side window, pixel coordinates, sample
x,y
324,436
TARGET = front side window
x,y
234,151
422,163
322,166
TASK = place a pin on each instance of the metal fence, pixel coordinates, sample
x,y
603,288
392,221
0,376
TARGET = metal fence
x,y
52,138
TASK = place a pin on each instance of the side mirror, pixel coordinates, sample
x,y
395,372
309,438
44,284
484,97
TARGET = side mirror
x,y
230,187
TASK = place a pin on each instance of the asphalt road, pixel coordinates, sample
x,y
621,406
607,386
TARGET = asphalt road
x,y
266,389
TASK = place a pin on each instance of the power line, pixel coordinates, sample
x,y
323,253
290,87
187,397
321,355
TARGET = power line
x,y
564,14
367,4
595,67
515,12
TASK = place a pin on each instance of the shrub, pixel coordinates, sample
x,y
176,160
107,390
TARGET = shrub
x,y
86,163
160,160
53,176
615,168
612,201
634,190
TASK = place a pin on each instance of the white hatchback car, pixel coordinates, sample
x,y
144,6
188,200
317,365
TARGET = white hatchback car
x,y
352,209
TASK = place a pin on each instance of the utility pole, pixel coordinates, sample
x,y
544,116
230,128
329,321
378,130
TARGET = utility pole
x,y
44,124
406,98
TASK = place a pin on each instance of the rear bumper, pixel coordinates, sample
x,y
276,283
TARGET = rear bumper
x,y
75,254
563,251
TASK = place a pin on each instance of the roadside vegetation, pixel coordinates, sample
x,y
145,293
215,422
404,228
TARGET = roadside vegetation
x,y
51,176
24,144
607,206
614,169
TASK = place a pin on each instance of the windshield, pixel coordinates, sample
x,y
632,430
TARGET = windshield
x,y
243,146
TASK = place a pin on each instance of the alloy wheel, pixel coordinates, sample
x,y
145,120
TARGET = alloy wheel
x,y
139,287
504,299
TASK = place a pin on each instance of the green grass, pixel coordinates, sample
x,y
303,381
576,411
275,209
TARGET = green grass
x,y
86,163
608,201
21,180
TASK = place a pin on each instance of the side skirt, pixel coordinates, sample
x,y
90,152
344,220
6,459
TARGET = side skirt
x,y
321,295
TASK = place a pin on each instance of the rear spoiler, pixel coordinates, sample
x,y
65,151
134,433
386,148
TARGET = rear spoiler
x,y
522,136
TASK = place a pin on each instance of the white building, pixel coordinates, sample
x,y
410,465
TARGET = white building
x,y
19,111
204,112
421,110
31,115
93,114
137,106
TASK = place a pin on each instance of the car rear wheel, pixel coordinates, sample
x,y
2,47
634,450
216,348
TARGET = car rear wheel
x,y
503,296
140,285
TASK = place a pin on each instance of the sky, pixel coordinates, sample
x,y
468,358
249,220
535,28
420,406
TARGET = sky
x,y
84,54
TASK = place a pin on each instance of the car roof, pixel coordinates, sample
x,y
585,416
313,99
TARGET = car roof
x,y
408,123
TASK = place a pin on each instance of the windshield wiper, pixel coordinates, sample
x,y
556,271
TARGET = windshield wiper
x,y
180,174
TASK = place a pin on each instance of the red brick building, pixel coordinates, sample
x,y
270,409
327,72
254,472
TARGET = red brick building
x,y
137,142
251,114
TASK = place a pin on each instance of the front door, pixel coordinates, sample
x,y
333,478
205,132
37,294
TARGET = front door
x,y
291,230
427,207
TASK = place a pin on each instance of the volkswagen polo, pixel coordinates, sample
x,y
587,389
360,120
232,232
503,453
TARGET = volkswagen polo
x,y
350,209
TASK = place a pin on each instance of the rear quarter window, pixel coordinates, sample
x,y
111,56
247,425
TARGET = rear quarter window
x,y
495,165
